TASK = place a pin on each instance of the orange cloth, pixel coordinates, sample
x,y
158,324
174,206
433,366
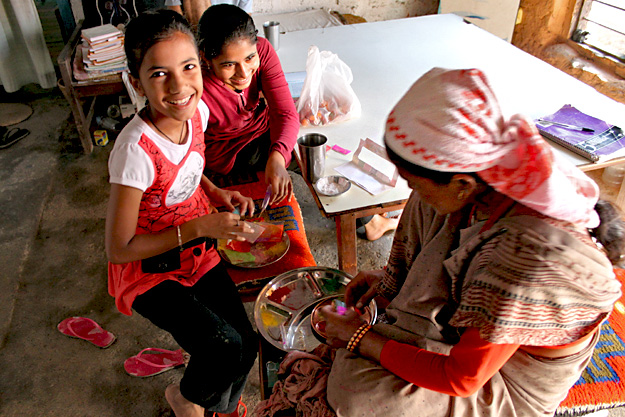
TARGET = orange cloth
x,y
288,212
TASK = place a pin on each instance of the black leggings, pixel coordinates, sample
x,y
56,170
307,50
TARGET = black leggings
x,y
208,321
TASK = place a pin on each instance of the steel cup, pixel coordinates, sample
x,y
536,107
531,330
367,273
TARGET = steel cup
x,y
272,33
312,152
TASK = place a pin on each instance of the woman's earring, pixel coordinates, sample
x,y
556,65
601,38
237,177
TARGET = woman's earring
x,y
461,195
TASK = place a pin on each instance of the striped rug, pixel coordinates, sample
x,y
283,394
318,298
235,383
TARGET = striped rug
x,y
602,385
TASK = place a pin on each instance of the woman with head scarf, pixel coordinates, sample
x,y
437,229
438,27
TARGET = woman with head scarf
x,y
500,274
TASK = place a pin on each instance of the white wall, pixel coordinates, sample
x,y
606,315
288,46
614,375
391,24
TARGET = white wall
x,y
371,10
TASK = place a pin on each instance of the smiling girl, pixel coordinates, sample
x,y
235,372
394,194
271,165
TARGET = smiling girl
x,y
253,124
161,224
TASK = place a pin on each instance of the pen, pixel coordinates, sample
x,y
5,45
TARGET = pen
x,y
572,127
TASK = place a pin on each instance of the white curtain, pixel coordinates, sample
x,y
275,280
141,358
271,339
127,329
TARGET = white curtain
x,y
24,56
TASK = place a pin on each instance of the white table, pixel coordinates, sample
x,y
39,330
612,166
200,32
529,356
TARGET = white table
x,y
387,57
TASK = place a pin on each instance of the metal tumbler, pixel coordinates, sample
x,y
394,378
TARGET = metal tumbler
x,y
312,151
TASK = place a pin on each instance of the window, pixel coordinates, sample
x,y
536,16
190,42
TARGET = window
x,y
601,25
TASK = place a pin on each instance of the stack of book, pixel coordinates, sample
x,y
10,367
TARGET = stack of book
x,y
103,50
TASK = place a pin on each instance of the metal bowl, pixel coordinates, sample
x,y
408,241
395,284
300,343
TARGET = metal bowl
x,y
284,306
317,322
332,185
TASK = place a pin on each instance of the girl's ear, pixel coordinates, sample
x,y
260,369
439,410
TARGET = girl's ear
x,y
205,62
136,84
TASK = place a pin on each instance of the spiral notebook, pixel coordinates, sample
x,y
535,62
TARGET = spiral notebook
x,y
583,134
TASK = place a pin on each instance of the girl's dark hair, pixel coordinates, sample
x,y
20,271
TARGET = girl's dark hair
x,y
221,24
611,230
149,28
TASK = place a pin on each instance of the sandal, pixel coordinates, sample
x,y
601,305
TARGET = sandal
x,y
87,329
153,361
239,405
10,136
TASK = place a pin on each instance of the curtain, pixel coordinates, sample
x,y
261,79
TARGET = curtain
x,y
24,56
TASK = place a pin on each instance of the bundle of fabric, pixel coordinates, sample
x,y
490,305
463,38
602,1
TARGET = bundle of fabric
x,y
301,388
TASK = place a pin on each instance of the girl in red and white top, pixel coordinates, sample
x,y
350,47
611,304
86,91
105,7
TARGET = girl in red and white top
x,y
161,221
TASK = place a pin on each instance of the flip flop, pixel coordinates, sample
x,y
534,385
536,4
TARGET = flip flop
x,y
153,361
87,329
10,136
239,405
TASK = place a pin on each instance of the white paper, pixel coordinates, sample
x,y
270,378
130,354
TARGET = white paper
x,y
251,237
362,179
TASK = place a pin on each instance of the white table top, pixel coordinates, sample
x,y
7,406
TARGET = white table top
x,y
387,57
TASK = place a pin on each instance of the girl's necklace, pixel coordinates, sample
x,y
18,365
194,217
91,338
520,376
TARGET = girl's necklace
x,y
147,113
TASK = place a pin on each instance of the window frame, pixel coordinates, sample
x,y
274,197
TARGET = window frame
x,y
588,49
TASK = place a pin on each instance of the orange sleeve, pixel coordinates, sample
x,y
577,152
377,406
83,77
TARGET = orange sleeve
x,y
469,365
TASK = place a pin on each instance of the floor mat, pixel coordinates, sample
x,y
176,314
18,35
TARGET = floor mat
x,y
13,113
602,386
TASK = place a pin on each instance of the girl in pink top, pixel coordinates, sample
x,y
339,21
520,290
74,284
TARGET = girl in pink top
x,y
253,124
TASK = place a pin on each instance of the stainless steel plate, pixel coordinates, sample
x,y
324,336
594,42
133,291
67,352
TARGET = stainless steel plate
x,y
283,307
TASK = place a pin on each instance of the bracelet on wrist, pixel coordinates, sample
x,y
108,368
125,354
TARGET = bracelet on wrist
x,y
357,337
179,237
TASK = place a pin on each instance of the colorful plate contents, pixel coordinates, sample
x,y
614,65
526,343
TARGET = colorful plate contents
x,y
268,248
284,306
318,323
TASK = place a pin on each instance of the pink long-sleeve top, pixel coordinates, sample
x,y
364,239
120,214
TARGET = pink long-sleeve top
x,y
237,118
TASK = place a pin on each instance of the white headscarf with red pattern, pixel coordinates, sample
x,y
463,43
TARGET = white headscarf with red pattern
x,y
450,121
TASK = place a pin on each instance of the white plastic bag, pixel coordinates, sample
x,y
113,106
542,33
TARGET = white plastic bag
x,y
327,95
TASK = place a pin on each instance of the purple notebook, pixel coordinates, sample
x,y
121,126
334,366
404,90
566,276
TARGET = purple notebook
x,y
597,141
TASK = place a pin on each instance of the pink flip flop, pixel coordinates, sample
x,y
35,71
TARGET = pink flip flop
x,y
87,329
153,361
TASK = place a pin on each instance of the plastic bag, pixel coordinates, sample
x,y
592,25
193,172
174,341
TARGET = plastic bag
x,y
327,95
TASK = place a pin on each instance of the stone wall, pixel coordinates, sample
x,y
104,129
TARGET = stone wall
x,y
543,31
371,10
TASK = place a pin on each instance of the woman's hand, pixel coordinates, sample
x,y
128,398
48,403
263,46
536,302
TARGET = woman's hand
x,y
231,200
362,289
222,225
277,175
340,328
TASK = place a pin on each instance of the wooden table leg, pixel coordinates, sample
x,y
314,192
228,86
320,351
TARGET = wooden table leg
x,y
346,243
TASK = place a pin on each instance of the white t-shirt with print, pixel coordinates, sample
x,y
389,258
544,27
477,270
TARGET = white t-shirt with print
x,y
131,166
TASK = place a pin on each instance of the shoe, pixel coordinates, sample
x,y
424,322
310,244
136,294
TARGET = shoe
x,y
87,329
239,405
153,361
9,136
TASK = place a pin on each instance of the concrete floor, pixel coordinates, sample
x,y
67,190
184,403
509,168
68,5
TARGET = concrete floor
x,y
52,210
53,207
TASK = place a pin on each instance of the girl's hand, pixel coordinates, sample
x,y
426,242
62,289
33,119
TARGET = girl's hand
x,y
223,225
277,175
340,328
362,289
232,199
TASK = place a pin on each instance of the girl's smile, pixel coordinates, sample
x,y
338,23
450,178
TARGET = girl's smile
x,y
171,79
237,64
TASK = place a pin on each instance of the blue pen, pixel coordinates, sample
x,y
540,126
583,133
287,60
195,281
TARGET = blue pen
x,y
265,200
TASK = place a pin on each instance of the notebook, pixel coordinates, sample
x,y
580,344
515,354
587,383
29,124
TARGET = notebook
x,y
585,135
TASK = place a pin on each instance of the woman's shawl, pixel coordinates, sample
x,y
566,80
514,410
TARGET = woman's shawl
x,y
531,281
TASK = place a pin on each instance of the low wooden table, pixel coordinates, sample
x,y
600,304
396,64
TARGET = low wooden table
x,y
82,95
387,57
